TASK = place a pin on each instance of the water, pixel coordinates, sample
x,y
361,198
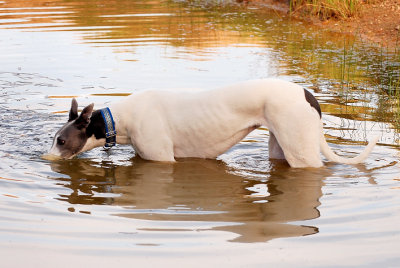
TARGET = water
x,y
112,208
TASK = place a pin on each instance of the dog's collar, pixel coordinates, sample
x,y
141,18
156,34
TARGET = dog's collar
x,y
111,133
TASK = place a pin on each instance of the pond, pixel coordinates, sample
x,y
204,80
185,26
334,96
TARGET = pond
x,y
241,210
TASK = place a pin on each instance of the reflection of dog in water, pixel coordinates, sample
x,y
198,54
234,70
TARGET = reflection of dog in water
x,y
205,190
164,125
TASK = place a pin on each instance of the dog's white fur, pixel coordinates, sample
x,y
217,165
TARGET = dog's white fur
x,y
164,125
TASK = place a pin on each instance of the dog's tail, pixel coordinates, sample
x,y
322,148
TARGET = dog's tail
x,y
328,153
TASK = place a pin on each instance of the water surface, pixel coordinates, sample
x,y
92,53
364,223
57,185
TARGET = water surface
x,y
112,208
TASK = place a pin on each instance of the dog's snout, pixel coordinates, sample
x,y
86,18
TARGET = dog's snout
x,y
50,157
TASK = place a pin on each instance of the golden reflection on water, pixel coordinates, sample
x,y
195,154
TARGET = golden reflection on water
x,y
123,22
192,31
201,190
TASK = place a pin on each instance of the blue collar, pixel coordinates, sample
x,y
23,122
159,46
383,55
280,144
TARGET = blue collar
x,y
111,133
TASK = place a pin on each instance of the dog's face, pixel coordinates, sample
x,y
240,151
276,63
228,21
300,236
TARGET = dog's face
x,y
72,137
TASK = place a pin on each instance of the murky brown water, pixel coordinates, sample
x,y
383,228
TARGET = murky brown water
x,y
240,210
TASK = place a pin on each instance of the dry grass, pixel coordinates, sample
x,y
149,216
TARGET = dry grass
x,y
326,9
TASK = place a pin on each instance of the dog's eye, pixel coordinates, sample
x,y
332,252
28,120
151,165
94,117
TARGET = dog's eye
x,y
60,141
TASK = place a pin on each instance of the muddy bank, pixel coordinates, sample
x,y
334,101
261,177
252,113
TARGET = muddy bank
x,y
377,22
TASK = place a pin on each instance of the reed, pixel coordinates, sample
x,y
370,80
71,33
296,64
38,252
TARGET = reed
x,y
326,9
381,91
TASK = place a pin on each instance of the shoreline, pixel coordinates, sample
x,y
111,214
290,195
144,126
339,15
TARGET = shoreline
x,y
377,23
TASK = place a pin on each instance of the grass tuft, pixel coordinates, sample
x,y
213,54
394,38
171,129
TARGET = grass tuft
x,y
326,9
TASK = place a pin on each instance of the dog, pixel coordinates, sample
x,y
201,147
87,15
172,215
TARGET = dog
x,y
165,125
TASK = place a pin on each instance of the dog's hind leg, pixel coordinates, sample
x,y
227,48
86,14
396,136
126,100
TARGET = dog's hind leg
x,y
303,153
275,150
301,147
298,135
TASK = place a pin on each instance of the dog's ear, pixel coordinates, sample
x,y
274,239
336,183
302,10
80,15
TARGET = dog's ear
x,y
84,118
73,113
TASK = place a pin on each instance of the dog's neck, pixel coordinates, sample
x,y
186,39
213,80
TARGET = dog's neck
x,y
96,130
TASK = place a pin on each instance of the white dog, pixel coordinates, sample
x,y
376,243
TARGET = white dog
x,y
164,125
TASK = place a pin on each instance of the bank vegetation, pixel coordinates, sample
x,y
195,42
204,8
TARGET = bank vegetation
x,y
326,9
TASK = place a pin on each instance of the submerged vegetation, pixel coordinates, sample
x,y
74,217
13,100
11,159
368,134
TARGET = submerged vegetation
x,y
384,83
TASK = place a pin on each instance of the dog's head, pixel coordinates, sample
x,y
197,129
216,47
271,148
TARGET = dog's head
x,y
71,138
